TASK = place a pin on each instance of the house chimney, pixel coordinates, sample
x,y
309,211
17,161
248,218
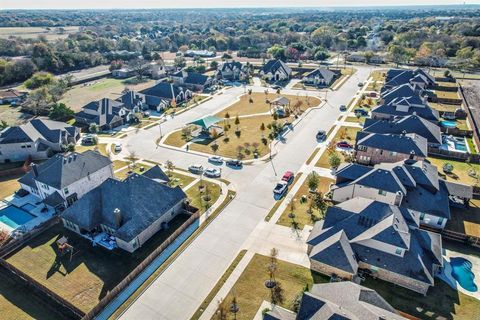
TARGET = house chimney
x,y
34,169
117,215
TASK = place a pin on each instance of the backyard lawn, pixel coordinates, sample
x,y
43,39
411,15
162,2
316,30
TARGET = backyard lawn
x,y
91,272
82,94
302,217
250,134
441,107
8,185
466,221
447,94
250,290
244,107
12,115
197,194
460,170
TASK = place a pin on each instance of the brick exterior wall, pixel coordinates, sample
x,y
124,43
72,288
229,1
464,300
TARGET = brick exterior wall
x,y
329,270
372,156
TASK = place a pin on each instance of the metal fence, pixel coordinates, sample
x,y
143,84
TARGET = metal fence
x,y
453,155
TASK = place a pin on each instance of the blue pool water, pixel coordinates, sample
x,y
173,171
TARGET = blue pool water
x,y
14,217
448,124
462,272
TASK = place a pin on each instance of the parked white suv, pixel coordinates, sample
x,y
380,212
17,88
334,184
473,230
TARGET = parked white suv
x,y
196,168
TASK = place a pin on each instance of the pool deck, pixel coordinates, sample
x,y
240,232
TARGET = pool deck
x,y
447,277
40,216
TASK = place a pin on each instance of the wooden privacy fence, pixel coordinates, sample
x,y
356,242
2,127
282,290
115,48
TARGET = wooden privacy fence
x,y
135,272
62,305
471,120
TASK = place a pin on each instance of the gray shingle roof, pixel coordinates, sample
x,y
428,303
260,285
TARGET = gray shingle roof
x,y
140,200
156,173
322,73
273,65
406,144
61,171
391,110
48,130
163,90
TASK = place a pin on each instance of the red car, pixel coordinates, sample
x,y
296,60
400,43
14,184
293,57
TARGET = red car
x,y
344,145
288,176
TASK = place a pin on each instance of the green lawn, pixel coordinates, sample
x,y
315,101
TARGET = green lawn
x,y
178,179
12,115
139,168
197,194
92,271
460,170
250,290
343,134
300,210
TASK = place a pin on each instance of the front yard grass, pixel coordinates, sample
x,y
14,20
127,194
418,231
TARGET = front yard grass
x,y
249,134
101,147
460,170
178,179
139,169
378,75
197,194
81,94
259,105
466,220
356,119
250,290
302,217
92,271
343,134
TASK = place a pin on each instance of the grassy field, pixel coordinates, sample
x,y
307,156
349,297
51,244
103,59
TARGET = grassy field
x,y
197,193
12,115
460,170
50,34
466,221
101,147
302,217
81,94
92,271
250,290
259,105
250,133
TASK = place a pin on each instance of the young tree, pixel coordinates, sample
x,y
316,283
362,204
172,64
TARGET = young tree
x,y
93,128
170,167
334,160
312,181
262,129
320,203
237,122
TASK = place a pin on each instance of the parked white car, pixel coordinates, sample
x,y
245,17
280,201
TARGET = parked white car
x,y
196,168
212,172
215,159
118,147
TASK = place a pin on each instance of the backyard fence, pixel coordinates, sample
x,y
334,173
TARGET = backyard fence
x,y
61,305
453,155
16,171
457,132
145,263
471,120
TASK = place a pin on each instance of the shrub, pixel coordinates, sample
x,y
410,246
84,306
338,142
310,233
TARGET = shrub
x,y
334,160
39,79
60,112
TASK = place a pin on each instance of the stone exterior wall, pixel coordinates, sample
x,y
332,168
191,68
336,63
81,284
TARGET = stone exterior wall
x,y
329,270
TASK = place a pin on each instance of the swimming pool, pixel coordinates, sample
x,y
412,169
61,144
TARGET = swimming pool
x,y
462,272
14,217
448,124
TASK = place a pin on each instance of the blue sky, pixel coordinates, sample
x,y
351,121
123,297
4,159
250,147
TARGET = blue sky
x,y
87,4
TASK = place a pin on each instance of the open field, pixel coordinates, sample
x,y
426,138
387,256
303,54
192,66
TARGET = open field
x,y
302,217
250,290
460,170
50,34
12,115
81,94
259,105
91,272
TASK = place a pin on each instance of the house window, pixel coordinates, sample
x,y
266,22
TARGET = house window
x,y
382,192
440,221
398,251
65,190
393,153
362,148
422,215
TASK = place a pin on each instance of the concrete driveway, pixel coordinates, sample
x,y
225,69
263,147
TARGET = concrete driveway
x,y
180,289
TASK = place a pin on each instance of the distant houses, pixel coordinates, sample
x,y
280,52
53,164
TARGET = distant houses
x,y
338,300
63,179
126,214
321,77
191,80
231,70
12,96
366,237
275,70
37,139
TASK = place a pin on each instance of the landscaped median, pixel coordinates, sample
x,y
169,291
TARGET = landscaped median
x,y
249,125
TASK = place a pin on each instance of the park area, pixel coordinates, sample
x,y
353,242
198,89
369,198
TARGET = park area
x,y
81,94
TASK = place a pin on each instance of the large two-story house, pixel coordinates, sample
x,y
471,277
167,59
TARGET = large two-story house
x,y
375,238
231,70
275,70
417,77
136,102
321,77
125,214
37,139
168,93
106,113
63,179
414,185
191,80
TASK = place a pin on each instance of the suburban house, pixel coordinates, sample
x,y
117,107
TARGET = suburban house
x,y
417,77
199,53
168,92
275,70
414,95
344,300
63,179
402,107
123,73
366,237
106,113
410,184
37,139
321,77
136,102
154,70
125,214
409,124
231,70
12,96
191,80
375,148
